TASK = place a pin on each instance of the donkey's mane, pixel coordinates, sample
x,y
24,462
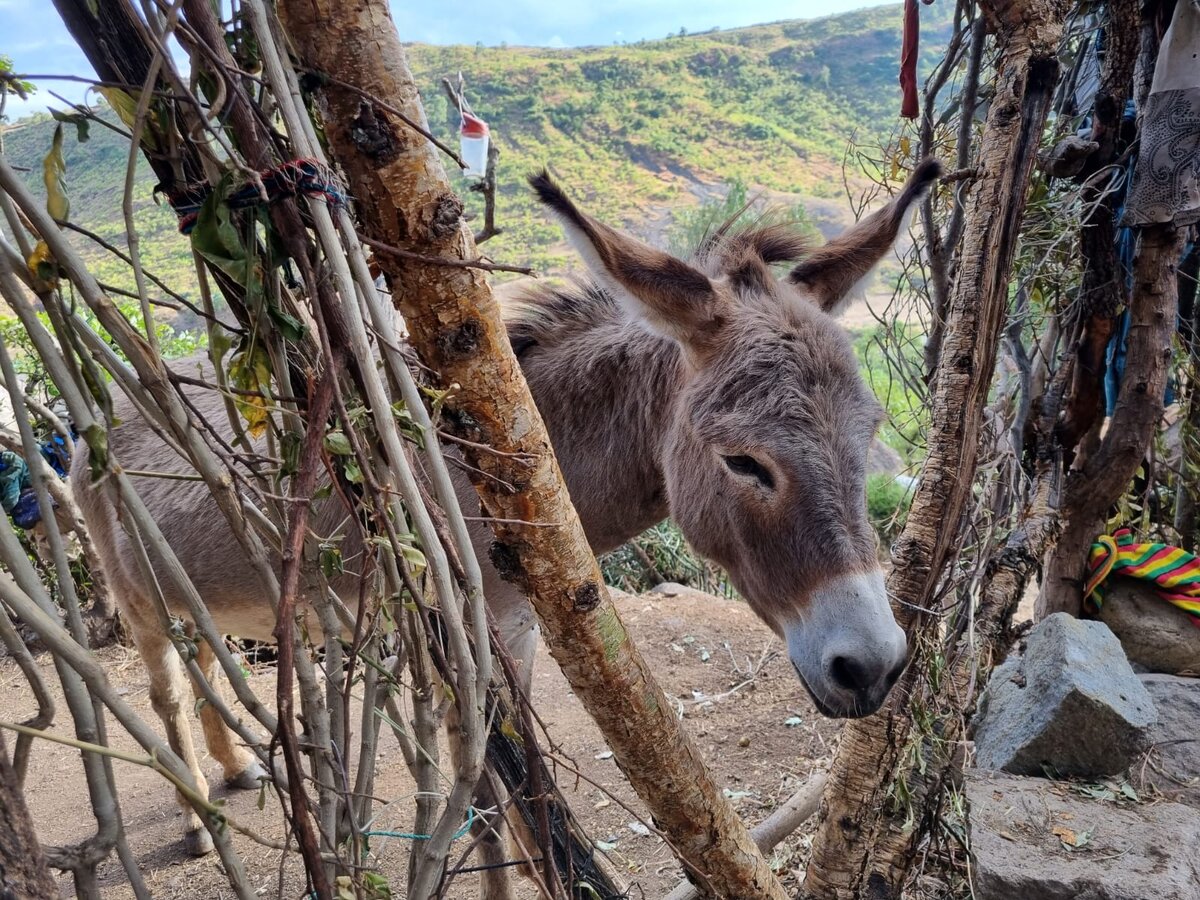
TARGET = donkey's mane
x,y
742,250
547,315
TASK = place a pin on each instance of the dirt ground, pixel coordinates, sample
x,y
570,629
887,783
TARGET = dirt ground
x,y
739,697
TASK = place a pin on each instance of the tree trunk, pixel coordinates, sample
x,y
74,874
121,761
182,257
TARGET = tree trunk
x,y
406,202
860,849
1185,487
23,870
1105,476
1095,484
1102,293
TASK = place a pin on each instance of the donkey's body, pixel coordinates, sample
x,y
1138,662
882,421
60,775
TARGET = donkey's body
x,y
716,393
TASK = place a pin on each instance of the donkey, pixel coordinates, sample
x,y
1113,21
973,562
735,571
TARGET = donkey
x,y
714,391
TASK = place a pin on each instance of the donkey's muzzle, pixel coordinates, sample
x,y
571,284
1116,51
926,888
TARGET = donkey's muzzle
x,y
847,648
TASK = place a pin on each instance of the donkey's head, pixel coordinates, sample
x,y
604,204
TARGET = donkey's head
x,y
765,457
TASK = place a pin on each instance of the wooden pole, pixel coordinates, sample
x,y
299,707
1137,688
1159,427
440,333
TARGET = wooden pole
x,y
405,201
861,845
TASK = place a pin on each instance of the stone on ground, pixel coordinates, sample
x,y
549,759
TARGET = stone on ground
x,y
1154,633
1070,705
1173,767
1033,839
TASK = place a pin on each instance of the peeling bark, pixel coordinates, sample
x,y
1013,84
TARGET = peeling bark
x,y
455,325
860,849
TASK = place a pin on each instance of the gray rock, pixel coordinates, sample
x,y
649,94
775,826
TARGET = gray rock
x,y
671,589
883,459
1173,767
1071,703
1154,633
1131,852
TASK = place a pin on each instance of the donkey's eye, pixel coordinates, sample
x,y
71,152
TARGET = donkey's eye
x,y
748,465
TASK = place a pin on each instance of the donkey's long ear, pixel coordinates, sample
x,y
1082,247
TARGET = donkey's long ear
x,y
834,268
669,295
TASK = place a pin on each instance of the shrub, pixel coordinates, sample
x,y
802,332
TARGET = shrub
x,y
887,505
662,554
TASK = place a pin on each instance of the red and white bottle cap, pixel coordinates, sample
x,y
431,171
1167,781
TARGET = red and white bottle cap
x,y
473,127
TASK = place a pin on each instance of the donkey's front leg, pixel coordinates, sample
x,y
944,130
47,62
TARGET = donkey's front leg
x,y
169,698
240,767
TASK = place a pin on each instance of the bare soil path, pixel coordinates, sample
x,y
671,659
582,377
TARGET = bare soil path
x,y
739,695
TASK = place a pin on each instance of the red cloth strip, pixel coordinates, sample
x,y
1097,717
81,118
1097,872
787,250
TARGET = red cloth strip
x,y
910,108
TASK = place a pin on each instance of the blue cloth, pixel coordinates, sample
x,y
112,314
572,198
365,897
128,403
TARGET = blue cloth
x,y
54,451
14,479
26,513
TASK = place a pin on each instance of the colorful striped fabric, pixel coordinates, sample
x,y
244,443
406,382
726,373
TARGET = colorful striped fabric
x,y
1175,573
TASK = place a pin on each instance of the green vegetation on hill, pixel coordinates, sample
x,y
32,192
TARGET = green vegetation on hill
x,y
637,132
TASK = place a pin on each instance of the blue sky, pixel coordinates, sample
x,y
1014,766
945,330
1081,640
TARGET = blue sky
x,y
34,37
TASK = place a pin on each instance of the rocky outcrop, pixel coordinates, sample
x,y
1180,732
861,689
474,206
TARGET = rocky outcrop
x,y
1070,704
1156,635
1033,839
1172,769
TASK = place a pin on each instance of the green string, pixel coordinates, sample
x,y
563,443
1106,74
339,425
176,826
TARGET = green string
x,y
414,837
409,836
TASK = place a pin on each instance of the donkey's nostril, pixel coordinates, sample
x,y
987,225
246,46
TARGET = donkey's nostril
x,y
850,674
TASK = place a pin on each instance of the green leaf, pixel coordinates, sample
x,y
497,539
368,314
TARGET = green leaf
x,y
414,557
122,103
330,559
338,444
79,120
377,886
125,105
42,265
289,452
97,440
250,370
216,238
289,326
352,471
220,343
54,174
407,425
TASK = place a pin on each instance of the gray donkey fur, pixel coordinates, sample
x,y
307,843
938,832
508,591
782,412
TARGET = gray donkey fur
x,y
712,391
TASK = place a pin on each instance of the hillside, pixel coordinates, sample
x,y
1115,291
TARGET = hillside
x,y
636,130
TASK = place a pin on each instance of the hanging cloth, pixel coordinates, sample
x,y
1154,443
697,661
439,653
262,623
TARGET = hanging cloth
x,y
1166,181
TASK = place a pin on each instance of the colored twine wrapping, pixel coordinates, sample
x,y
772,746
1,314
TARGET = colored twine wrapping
x,y
410,836
1175,573
290,179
